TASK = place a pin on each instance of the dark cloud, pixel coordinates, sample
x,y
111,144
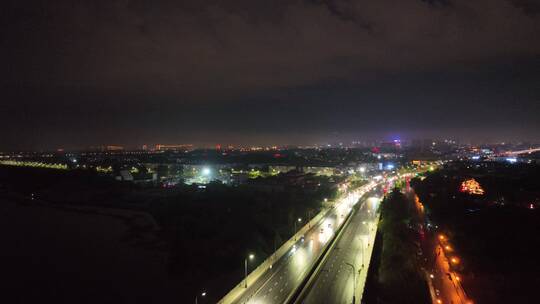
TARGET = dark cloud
x,y
187,54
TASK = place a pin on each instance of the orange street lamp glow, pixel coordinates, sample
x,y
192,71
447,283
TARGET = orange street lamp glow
x,y
447,247
441,237
455,260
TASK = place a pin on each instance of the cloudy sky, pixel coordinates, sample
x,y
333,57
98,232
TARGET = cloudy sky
x,y
79,73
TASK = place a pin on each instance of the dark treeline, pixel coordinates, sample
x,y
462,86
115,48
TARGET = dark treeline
x,y
398,278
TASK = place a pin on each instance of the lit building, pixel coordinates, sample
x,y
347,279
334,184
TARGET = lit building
x,y
181,147
471,186
114,148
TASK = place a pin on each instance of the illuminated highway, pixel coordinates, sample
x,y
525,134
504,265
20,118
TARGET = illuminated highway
x,y
334,283
527,151
447,284
277,283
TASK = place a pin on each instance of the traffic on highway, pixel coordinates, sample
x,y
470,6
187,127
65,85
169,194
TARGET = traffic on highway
x,y
280,280
344,270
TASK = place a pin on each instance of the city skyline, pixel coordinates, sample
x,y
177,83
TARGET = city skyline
x,y
285,72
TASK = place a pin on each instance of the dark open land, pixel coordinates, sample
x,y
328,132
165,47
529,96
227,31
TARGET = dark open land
x,y
75,236
495,234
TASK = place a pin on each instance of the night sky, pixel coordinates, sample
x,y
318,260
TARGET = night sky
x,y
81,73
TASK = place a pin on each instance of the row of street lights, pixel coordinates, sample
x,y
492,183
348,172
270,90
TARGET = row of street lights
x,y
249,257
354,271
362,265
252,256
454,260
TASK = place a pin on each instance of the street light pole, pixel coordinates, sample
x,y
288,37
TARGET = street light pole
x,y
245,276
354,282
251,256
295,230
196,297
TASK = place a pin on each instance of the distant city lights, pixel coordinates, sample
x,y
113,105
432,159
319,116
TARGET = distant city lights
x,y
511,160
